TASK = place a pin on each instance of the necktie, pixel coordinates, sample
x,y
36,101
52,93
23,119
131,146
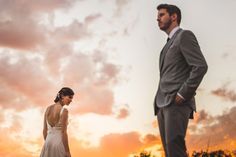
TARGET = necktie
x,y
168,39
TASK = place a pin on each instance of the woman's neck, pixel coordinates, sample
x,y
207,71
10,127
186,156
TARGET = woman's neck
x,y
60,103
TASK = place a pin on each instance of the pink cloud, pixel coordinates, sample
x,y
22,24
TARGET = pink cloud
x,y
25,7
225,93
12,99
92,18
25,79
94,79
55,56
59,45
1,116
19,24
74,31
34,81
20,34
95,100
120,4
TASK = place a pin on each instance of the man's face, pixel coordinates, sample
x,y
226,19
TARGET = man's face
x,y
164,19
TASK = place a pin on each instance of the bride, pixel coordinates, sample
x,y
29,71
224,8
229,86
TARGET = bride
x,y
55,126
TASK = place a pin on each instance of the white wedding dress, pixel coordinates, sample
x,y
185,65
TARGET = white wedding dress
x,y
53,146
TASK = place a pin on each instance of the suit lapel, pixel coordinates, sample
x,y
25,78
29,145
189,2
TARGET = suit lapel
x,y
165,49
163,52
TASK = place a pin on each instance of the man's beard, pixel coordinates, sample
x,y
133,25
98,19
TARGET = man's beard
x,y
166,25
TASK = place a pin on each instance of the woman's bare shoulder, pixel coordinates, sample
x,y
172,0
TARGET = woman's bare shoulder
x,y
49,107
65,111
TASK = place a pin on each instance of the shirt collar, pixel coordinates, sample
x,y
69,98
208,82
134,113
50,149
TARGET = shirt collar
x,y
173,32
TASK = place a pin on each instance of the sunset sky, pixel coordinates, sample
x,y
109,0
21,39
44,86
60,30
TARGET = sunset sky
x,y
107,51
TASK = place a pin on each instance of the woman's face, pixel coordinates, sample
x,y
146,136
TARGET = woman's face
x,y
67,99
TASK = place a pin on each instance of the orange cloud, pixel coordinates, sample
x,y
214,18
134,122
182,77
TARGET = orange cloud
x,y
9,145
151,139
155,124
216,132
115,145
119,145
123,113
111,145
10,148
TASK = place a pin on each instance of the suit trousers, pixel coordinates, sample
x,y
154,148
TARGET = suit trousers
x,y
173,122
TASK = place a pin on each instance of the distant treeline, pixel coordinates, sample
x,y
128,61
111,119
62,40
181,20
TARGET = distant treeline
x,y
217,153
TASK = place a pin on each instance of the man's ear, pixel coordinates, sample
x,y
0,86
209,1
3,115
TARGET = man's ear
x,y
174,17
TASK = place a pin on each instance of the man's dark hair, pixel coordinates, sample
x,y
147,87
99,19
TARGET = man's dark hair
x,y
171,9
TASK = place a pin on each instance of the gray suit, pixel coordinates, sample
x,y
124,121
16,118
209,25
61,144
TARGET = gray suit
x,y
182,67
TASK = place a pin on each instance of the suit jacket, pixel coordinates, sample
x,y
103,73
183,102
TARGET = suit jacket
x,y
182,67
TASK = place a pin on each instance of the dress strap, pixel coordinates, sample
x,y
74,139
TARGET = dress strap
x,y
62,109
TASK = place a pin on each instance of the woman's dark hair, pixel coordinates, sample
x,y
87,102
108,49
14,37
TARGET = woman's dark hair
x,y
171,9
65,91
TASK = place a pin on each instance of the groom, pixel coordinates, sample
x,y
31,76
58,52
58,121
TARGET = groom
x,y
182,67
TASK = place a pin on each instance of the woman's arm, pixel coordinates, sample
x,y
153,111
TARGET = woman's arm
x,y
45,128
64,131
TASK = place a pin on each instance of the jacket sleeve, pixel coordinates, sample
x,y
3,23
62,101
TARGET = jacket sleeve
x,y
191,51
